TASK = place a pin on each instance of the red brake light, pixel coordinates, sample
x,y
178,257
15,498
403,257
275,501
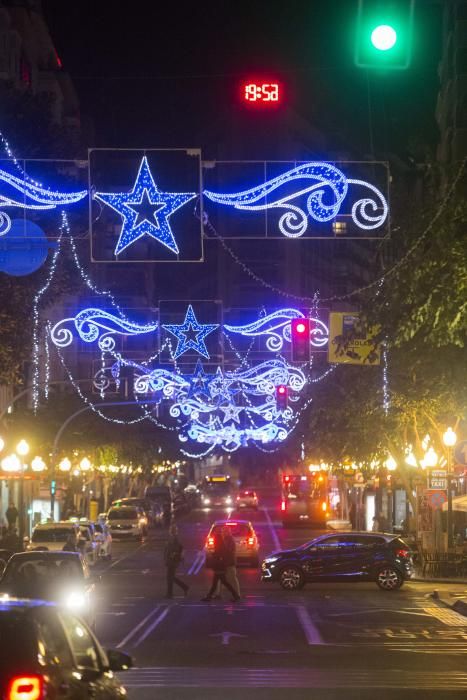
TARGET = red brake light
x,y
283,505
402,553
210,541
251,541
25,688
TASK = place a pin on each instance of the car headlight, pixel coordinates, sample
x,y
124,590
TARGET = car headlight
x,y
135,525
228,499
271,560
76,601
206,501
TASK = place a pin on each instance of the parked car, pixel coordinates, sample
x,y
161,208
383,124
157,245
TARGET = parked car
x,y
87,543
349,556
126,521
144,503
51,653
247,499
103,537
162,496
53,536
246,541
62,577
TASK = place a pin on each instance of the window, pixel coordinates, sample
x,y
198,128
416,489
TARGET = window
x,y
53,644
81,642
331,543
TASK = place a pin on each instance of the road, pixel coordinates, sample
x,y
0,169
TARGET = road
x,y
327,638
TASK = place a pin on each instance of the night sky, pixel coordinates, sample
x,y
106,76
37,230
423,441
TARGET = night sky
x,y
166,74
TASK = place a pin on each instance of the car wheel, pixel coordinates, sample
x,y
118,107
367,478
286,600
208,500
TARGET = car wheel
x,y
389,579
291,578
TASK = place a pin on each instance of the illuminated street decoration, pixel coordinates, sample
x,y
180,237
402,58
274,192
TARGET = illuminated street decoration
x,y
191,334
95,324
324,198
22,193
276,327
145,210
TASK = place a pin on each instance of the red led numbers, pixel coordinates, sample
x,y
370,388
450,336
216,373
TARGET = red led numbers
x,y
261,93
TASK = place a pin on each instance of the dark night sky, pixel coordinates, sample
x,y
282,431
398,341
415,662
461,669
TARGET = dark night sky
x,y
165,74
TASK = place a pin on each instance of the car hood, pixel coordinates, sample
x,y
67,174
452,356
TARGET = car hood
x,y
112,523
282,553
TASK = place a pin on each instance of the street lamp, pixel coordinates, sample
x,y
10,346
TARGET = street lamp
x,y
85,464
38,464
22,449
65,465
449,439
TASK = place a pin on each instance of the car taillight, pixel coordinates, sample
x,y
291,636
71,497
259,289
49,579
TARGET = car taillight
x,y
251,541
210,541
324,506
238,498
28,687
403,553
283,505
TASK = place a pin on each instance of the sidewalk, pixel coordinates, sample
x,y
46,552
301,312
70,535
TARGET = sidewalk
x,y
455,601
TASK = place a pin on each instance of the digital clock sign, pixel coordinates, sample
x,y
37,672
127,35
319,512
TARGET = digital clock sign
x,y
260,92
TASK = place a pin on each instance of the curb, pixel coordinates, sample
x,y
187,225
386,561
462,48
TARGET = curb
x,y
419,579
459,606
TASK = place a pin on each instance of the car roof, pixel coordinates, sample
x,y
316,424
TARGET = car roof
x,y
226,522
39,554
51,526
388,536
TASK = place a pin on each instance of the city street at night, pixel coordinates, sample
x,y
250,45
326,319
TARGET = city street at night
x,y
326,638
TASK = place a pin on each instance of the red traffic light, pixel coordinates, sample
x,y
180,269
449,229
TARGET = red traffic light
x,y
300,327
300,337
281,397
281,390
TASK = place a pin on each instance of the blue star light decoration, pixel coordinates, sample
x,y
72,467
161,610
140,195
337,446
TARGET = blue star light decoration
x,y
191,334
145,210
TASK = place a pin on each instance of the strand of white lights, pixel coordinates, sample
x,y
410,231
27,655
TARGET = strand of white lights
x,y
386,401
35,320
197,456
6,147
47,360
359,290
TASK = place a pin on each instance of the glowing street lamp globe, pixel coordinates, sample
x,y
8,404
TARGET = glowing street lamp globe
x,y
22,448
65,465
38,464
449,437
383,37
85,464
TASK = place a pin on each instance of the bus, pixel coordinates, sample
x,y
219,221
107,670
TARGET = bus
x,y
217,491
305,499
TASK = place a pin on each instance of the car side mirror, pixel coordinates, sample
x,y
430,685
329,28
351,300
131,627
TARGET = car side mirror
x,y
118,660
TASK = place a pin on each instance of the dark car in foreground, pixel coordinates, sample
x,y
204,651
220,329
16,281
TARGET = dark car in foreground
x,y
347,556
49,653
62,577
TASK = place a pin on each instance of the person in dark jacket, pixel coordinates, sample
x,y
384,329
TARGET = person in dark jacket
x,y
11,515
172,557
219,560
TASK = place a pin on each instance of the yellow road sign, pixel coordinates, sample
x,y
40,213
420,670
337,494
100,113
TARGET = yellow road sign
x,y
350,342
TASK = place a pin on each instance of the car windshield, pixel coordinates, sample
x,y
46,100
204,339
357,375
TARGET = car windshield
x,y
29,576
123,514
56,534
237,529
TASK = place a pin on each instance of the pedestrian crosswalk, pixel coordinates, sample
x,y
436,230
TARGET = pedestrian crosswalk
x,y
241,677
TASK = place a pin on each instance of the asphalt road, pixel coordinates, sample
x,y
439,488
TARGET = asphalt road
x,y
326,641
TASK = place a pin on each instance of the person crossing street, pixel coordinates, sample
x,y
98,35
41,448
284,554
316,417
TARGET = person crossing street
x,y
220,559
173,555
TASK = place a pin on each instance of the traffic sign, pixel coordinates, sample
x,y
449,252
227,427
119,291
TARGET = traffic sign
x,y
460,453
438,479
436,498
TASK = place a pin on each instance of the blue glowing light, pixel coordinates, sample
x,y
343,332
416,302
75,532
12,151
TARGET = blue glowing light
x,y
145,210
276,327
191,334
329,183
24,194
95,324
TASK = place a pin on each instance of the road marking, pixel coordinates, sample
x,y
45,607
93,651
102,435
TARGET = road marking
x,y
449,617
197,563
272,529
117,561
312,634
115,614
152,626
226,636
136,629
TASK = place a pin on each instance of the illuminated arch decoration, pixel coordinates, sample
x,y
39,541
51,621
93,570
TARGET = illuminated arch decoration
x,y
276,327
24,193
95,324
145,210
190,327
325,188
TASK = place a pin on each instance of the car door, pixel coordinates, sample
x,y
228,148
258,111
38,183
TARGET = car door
x,y
320,559
89,659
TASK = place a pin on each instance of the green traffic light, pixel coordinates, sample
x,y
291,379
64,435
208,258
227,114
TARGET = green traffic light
x,y
384,37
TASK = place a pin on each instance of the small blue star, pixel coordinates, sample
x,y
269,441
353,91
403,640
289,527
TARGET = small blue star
x,y
145,210
191,334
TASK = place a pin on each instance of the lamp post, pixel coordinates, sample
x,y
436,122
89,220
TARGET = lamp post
x,y
22,449
449,439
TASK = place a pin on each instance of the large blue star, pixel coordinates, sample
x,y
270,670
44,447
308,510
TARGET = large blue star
x,y
145,210
191,334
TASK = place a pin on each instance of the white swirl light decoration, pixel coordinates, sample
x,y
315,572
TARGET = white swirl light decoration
x,y
319,333
96,324
330,182
359,214
276,325
5,223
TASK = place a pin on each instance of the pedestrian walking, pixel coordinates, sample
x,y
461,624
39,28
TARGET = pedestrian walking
x,y
11,515
230,563
173,555
219,559
375,527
